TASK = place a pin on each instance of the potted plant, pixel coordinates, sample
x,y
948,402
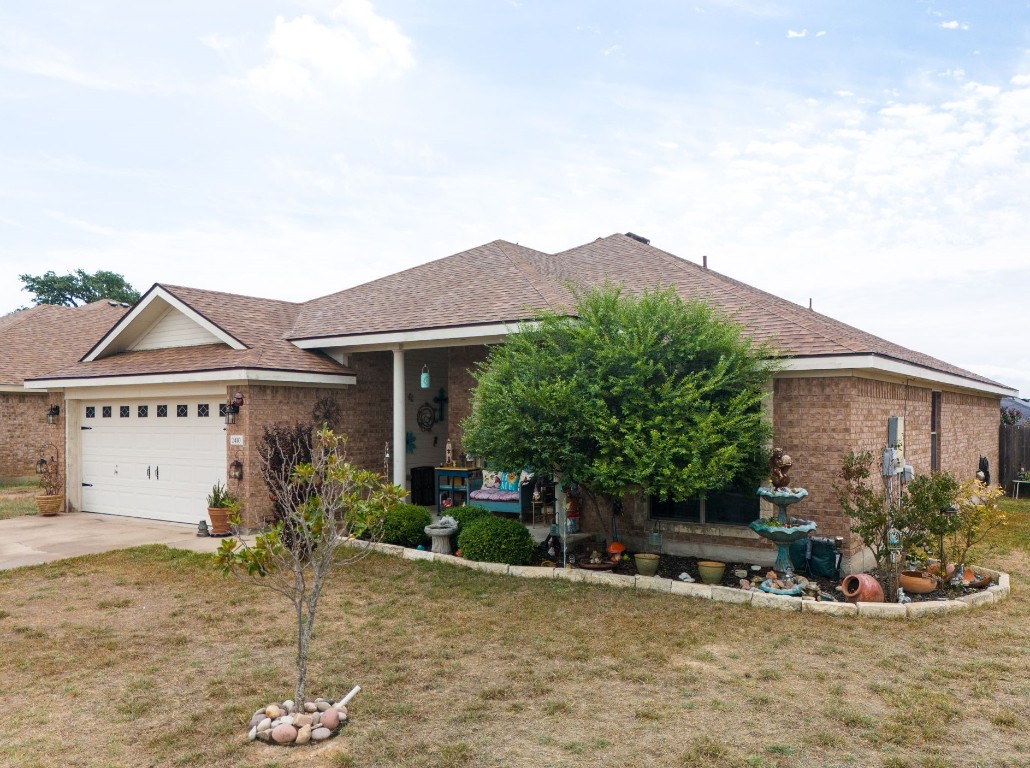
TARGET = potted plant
x,y
50,500
221,505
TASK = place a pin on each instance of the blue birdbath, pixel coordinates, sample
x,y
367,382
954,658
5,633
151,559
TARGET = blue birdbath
x,y
783,530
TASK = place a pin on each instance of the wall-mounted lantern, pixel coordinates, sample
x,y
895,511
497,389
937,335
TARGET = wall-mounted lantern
x,y
424,378
41,466
232,408
236,469
52,413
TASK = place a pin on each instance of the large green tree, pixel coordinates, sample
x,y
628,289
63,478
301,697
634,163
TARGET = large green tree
x,y
78,287
646,393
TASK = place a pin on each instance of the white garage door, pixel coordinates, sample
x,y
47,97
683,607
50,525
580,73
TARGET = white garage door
x,y
154,458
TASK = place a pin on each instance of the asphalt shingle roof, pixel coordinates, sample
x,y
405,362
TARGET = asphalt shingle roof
x,y
46,337
259,324
499,282
505,282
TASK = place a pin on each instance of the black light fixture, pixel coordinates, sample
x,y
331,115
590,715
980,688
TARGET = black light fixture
x,y
41,466
232,408
52,413
236,469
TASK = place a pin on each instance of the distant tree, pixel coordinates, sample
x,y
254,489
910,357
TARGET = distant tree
x,y
78,287
640,393
1011,416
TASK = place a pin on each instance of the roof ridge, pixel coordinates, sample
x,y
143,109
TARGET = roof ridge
x,y
538,281
172,288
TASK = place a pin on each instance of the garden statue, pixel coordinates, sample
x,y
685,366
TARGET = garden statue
x,y
779,465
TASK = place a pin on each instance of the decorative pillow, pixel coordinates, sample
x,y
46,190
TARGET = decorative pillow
x,y
491,479
509,481
525,477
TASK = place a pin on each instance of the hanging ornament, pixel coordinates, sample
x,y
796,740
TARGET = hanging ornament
x,y
424,378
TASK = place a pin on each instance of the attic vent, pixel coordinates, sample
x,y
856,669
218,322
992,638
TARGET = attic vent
x,y
639,238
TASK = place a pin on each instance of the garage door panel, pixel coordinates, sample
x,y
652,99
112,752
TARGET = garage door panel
x,y
149,466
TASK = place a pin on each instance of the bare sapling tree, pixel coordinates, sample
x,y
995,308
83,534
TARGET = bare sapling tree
x,y
329,511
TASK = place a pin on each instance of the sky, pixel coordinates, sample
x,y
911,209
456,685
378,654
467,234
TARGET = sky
x,y
871,157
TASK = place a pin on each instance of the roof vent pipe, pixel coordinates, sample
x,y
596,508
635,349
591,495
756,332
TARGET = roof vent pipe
x,y
639,238
809,302
704,261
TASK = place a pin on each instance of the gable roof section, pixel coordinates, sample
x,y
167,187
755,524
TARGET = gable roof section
x,y
48,336
252,332
495,283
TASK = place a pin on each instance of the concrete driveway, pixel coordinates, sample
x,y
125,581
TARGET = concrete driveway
x,y
30,540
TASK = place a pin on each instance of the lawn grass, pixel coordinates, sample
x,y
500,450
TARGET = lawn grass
x,y
462,668
16,499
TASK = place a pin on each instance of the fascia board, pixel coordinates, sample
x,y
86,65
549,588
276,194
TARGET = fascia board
x,y
236,375
412,339
899,368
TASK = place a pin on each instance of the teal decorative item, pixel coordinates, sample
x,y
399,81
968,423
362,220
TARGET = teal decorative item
x,y
410,447
424,378
783,530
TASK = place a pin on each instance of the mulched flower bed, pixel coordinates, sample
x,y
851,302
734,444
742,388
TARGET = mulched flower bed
x,y
671,566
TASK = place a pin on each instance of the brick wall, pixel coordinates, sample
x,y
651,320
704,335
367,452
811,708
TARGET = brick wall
x,y
461,361
23,429
819,419
364,418
969,429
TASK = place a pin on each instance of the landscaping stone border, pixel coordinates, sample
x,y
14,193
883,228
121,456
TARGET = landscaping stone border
x,y
720,594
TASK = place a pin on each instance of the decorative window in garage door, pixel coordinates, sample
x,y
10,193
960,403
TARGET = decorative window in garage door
x,y
203,409
91,411
124,411
182,411
142,411
162,411
106,412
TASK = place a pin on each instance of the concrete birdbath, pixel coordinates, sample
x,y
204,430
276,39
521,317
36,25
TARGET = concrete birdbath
x,y
441,532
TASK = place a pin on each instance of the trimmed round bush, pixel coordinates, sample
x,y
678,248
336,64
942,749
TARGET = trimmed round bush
x,y
496,540
405,525
465,515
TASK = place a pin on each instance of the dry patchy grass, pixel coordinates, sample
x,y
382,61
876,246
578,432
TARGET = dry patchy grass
x,y
17,499
461,668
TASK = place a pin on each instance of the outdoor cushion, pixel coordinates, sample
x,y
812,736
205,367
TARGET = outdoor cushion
x,y
492,494
491,479
509,481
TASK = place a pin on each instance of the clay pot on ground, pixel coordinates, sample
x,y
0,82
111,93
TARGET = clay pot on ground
x,y
711,571
219,520
862,588
647,564
917,582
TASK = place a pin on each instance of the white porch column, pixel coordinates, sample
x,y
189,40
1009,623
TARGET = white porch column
x,y
400,440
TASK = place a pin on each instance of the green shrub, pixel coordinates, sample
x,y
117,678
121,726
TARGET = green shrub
x,y
465,515
496,540
405,525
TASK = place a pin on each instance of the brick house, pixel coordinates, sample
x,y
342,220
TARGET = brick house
x,y
187,351
35,341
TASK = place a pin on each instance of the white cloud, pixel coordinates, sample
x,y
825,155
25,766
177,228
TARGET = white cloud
x,y
821,33
954,25
791,33
355,48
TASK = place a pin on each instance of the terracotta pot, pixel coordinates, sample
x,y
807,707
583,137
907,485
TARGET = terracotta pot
x,y
219,520
647,564
862,588
711,571
917,582
48,506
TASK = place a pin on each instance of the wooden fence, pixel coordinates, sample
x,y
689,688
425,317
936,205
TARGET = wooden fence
x,y
1013,452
